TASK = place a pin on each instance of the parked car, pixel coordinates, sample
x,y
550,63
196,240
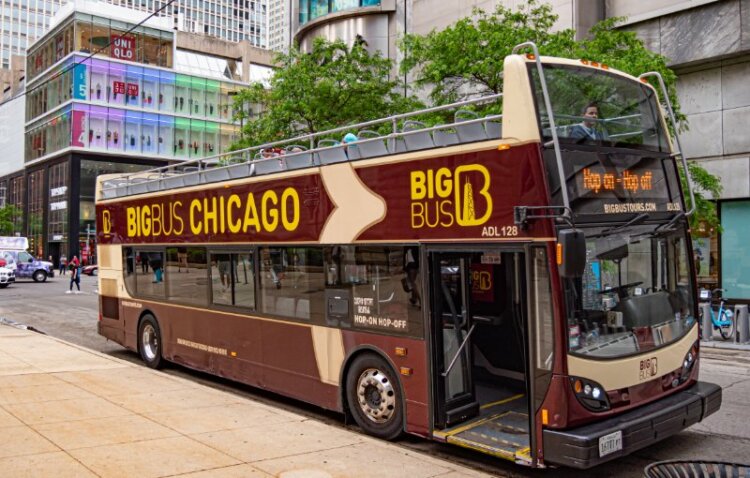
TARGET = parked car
x,y
7,276
91,270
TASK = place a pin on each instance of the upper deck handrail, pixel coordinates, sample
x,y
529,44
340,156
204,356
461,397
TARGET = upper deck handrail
x,y
686,170
121,185
551,117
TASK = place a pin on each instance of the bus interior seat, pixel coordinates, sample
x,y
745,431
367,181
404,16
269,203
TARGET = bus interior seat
x,y
637,310
285,306
469,133
333,152
303,309
445,137
269,304
373,148
417,141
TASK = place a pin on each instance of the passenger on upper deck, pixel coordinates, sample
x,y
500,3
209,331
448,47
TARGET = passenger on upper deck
x,y
589,128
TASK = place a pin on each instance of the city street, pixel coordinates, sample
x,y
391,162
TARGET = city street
x,y
724,436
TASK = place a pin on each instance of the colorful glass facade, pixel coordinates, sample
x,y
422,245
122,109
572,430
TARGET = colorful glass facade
x,y
107,105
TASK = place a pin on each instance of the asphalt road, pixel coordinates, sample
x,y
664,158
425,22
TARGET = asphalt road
x,y
725,436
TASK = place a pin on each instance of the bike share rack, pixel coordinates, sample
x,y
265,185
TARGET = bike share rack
x,y
741,323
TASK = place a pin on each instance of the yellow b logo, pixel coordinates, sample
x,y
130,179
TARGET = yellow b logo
x,y
466,201
106,222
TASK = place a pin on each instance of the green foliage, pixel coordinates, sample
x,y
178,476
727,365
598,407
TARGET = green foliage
x,y
10,217
466,59
705,210
331,86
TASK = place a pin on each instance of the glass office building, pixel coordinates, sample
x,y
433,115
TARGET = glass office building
x,y
102,99
25,21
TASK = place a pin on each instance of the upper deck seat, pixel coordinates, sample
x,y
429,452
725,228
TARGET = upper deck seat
x,y
445,137
298,157
213,174
332,152
419,140
374,147
493,127
138,185
471,132
263,166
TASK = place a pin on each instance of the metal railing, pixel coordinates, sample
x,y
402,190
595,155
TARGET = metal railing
x,y
260,159
665,96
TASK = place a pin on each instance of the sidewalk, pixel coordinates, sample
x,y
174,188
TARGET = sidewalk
x,y
67,411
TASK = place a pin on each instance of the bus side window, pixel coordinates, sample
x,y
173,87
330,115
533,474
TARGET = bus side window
x,y
129,259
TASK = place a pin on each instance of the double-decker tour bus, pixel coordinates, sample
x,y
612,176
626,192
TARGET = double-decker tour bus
x,y
518,284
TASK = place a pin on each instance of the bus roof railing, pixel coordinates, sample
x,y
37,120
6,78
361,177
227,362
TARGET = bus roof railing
x,y
245,163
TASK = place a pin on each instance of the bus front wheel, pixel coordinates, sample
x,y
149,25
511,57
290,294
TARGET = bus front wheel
x,y
374,397
149,341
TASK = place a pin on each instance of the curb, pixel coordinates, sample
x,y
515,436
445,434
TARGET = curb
x,y
725,345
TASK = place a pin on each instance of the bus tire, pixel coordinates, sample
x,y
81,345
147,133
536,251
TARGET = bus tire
x,y
149,342
374,397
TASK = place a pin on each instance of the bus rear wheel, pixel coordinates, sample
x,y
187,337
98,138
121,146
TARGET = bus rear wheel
x,y
149,342
374,397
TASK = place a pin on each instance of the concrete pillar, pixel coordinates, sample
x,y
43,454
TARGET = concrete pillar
x,y
706,325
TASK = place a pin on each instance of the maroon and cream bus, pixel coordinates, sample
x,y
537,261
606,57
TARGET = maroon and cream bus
x,y
518,284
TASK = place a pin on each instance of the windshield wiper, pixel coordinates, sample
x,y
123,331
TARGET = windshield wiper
x,y
667,226
633,222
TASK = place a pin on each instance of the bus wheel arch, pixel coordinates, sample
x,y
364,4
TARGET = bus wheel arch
x,y
372,394
150,341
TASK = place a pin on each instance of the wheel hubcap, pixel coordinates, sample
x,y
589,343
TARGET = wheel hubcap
x,y
150,342
376,396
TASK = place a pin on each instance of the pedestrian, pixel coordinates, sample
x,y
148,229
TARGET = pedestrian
x,y
75,275
63,264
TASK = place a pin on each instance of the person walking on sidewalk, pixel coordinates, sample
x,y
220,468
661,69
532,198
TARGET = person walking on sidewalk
x,y
63,264
75,275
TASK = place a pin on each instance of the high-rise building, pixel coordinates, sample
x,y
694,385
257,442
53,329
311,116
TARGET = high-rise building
x,y
107,92
24,21
279,19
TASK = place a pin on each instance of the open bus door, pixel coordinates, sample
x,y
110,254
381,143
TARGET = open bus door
x,y
480,349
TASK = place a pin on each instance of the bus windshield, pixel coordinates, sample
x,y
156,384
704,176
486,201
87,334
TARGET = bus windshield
x,y
635,294
593,106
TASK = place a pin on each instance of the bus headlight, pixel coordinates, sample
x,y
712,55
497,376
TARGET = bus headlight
x,y
590,394
689,362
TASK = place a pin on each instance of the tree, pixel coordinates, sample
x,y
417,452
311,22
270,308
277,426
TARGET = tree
x,y
9,219
466,59
331,86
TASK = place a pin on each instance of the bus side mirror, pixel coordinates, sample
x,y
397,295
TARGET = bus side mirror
x,y
571,253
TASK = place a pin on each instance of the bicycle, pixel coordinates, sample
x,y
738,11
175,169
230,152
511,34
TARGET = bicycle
x,y
721,318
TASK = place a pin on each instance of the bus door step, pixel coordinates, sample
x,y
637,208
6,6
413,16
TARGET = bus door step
x,y
505,435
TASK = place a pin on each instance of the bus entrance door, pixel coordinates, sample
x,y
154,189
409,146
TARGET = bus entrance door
x,y
452,331
478,332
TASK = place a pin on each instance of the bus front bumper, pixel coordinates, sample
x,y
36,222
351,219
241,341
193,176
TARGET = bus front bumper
x,y
643,426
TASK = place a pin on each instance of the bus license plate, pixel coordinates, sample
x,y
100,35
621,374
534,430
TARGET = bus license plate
x,y
610,443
